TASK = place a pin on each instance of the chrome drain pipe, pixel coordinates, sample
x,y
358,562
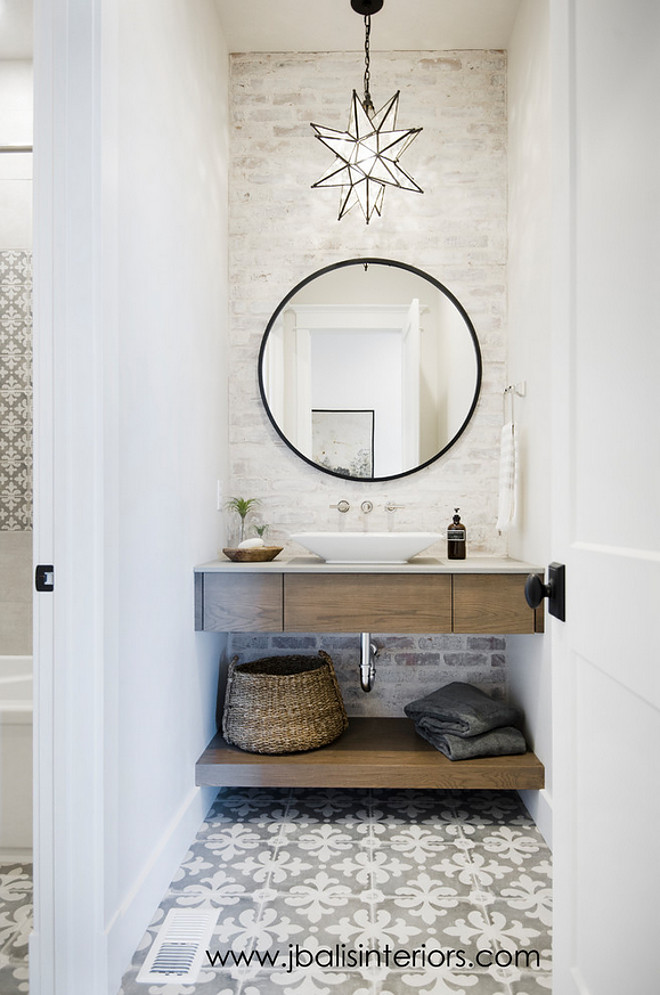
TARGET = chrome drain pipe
x,y
368,652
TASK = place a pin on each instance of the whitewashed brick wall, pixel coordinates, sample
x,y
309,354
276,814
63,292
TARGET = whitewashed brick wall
x,y
407,666
282,230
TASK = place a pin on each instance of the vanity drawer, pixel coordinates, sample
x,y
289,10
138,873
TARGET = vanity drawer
x,y
238,602
493,603
358,602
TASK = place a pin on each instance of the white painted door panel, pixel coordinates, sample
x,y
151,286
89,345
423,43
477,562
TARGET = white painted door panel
x,y
616,837
619,586
606,519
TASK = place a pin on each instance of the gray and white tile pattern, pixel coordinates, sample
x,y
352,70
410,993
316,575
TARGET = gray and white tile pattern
x,y
309,880
15,390
15,926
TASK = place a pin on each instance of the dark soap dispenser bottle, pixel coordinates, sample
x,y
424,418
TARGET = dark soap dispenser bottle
x,y
456,538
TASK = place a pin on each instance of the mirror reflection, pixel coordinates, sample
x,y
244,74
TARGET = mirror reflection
x,y
370,369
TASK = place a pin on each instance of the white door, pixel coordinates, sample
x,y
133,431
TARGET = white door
x,y
606,497
68,943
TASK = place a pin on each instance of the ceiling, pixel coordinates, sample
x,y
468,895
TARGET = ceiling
x,y
332,25
323,25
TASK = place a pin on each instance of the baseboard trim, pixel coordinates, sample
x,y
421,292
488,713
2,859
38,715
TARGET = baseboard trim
x,y
129,922
16,855
539,806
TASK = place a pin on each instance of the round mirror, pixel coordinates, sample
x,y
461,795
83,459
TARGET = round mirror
x,y
370,369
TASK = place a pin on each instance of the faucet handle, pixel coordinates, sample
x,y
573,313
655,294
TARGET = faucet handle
x,y
394,507
342,506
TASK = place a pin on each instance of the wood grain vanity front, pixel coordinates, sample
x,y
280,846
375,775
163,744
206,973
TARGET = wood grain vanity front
x,y
237,602
493,603
273,601
360,602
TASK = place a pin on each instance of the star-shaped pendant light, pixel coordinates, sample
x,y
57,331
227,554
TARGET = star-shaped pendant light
x,y
368,152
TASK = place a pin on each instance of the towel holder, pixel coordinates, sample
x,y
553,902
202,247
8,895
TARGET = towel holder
x,y
514,390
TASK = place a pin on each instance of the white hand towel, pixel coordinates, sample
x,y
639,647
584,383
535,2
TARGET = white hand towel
x,y
506,511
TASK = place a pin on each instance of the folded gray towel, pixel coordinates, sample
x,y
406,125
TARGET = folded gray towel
x,y
495,743
463,710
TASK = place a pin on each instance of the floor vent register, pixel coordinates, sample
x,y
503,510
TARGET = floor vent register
x,y
178,950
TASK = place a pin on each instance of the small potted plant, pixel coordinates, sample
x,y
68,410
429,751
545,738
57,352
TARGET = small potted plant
x,y
249,550
242,507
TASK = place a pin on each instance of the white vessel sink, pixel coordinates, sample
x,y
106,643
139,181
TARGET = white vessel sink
x,y
366,547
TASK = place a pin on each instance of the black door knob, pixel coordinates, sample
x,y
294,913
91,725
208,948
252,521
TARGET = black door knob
x,y
555,590
535,590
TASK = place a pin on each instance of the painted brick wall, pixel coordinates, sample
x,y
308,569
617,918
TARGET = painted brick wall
x,y
281,230
407,666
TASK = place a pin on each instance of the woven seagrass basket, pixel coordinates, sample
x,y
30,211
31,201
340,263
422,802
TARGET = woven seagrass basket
x,y
283,704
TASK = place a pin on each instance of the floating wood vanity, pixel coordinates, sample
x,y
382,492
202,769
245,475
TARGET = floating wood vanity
x,y
307,595
424,596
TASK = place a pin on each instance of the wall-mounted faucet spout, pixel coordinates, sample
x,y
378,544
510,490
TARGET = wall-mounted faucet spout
x,y
368,653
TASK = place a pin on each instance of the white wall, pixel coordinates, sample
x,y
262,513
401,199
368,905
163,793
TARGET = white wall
x,y
16,168
166,439
530,308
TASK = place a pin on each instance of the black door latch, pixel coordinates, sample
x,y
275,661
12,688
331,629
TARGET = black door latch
x,y
555,590
44,577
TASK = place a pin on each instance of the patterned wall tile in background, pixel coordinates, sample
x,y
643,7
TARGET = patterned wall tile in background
x,y
15,390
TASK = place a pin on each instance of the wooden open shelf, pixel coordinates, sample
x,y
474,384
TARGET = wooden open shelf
x,y
372,753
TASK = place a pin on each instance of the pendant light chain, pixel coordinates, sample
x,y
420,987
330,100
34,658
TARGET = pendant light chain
x,y
367,152
368,105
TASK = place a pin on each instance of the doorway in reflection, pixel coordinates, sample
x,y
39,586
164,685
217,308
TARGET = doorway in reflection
x,y
370,369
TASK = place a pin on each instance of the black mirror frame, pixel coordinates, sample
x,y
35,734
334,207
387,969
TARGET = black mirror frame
x,y
367,261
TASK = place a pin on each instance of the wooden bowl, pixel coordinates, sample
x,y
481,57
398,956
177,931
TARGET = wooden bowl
x,y
257,554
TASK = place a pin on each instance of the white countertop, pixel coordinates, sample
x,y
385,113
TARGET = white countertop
x,y
418,564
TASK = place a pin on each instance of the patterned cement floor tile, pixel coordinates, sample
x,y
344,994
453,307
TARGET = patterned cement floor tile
x,y
330,803
326,841
15,882
488,807
14,979
243,803
511,844
15,926
425,900
230,840
533,984
216,890
418,842
303,981
434,981
306,879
